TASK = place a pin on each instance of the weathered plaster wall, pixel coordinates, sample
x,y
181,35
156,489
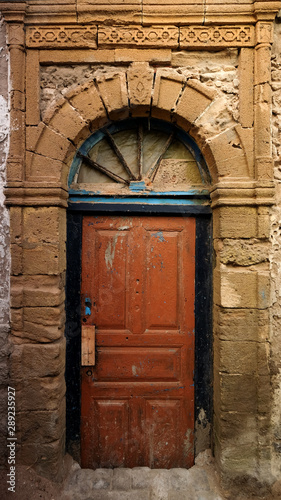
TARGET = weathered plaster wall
x,y
4,240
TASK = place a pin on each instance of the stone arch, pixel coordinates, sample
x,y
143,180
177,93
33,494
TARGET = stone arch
x,y
115,95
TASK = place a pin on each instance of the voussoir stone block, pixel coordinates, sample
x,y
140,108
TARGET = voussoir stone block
x,y
67,122
167,90
193,101
113,91
225,155
41,168
88,103
140,83
52,144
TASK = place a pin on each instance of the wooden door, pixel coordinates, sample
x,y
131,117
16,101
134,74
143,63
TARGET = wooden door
x,y
138,290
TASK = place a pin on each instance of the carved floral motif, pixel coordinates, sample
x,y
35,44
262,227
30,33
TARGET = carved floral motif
x,y
62,36
140,81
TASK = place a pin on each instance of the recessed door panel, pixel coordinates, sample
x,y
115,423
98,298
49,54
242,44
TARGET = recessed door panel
x,y
138,290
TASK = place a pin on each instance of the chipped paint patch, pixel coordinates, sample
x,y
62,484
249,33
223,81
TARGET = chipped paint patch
x,y
159,236
110,252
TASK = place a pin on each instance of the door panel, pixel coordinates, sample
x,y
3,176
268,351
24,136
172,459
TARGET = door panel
x,y
138,290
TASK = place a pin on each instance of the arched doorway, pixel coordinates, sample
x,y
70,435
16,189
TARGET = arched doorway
x,y
139,290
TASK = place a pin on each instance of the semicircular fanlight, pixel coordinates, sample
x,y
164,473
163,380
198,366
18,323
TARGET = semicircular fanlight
x,y
137,150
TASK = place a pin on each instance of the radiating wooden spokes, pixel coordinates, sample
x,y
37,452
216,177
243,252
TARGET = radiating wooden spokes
x,y
132,177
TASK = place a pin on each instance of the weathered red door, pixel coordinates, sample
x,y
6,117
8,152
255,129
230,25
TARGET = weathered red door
x,y
138,290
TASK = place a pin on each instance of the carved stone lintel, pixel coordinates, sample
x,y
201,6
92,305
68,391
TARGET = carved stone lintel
x,y
156,36
213,36
61,37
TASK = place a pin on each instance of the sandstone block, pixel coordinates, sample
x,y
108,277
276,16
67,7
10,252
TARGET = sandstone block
x,y
113,90
246,82
237,428
16,224
262,64
225,155
67,122
37,291
16,319
44,360
194,100
236,459
17,135
17,259
241,324
168,86
140,82
41,426
264,223
74,56
46,224
46,316
41,168
88,103
264,394
39,333
14,168
115,12
246,289
17,100
43,259
236,357
35,394
139,55
60,145
46,459
32,87
243,252
263,359
32,135
264,168
238,393
17,63
235,222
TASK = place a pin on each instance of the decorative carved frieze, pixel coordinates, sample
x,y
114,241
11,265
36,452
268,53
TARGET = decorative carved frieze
x,y
62,37
155,36
79,36
213,36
